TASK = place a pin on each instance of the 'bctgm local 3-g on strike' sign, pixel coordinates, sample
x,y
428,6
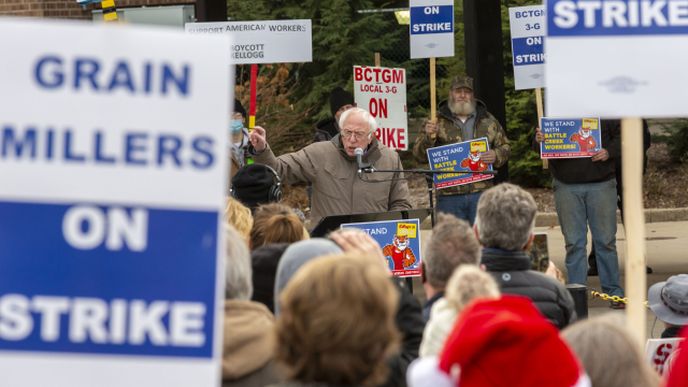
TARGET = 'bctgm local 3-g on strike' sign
x,y
570,138
461,156
400,242
617,58
527,42
113,169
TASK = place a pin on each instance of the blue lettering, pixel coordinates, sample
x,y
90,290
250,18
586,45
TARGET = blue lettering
x,y
121,77
86,68
169,147
181,81
203,147
53,78
69,154
19,146
99,156
49,140
133,145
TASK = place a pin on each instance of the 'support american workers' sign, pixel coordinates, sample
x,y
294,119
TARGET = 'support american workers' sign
x,y
263,41
616,58
382,91
527,41
431,28
113,169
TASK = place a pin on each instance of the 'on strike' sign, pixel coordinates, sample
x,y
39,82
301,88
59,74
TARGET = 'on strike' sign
x,y
382,91
111,243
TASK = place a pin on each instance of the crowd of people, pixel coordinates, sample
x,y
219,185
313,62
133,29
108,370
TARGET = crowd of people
x,y
304,311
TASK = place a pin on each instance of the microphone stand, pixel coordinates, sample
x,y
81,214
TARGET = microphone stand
x,y
428,174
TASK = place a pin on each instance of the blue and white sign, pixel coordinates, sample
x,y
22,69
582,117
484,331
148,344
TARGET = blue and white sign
x,y
460,157
570,138
432,28
400,243
527,46
113,169
616,58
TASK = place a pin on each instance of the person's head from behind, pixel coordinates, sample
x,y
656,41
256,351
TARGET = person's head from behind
x,y
609,355
669,300
452,244
340,101
239,216
276,223
256,184
469,283
337,322
506,217
238,282
461,97
357,129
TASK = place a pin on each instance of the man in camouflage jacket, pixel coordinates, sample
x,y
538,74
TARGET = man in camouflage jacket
x,y
461,118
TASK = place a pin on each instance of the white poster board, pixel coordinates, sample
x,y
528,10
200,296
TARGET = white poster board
x,y
527,41
660,353
382,91
613,59
113,168
263,41
431,30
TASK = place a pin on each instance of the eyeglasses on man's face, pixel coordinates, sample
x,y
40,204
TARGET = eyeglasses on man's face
x,y
356,135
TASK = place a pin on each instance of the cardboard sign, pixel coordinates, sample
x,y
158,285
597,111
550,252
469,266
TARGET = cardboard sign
x,y
431,29
263,41
382,91
113,163
570,138
617,58
400,242
462,156
527,46
661,353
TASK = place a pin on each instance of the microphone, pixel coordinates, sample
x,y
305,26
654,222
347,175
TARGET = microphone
x,y
362,167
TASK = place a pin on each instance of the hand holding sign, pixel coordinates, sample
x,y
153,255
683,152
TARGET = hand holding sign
x,y
539,137
355,240
602,155
488,157
431,128
258,138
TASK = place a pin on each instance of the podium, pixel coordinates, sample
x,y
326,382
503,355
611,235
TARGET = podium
x,y
332,223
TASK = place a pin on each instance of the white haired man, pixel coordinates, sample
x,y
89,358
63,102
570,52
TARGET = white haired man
x,y
331,167
504,225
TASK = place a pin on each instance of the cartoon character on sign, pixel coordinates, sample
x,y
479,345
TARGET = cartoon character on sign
x,y
400,251
473,161
586,142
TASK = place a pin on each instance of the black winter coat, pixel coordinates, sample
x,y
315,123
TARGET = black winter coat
x,y
512,271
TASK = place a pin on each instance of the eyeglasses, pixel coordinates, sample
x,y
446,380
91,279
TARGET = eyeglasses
x,y
356,135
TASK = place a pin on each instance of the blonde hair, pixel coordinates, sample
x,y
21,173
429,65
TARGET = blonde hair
x,y
609,355
469,282
239,216
336,324
276,223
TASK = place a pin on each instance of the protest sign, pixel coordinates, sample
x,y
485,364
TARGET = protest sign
x,y
382,91
431,29
570,138
461,156
400,242
263,41
527,41
594,65
660,353
113,163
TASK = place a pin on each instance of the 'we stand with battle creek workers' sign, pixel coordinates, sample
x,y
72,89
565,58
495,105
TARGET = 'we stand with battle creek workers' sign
x,y
570,138
382,91
461,156
113,169
263,41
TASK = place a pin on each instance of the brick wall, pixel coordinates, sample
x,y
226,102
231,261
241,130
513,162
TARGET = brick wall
x,y
68,9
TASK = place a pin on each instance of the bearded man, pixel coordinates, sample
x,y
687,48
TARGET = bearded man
x,y
462,117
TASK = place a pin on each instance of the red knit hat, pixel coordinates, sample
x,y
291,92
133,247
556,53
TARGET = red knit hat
x,y
678,373
507,342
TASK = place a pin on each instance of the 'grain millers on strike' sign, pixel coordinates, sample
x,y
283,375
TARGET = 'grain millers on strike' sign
x,y
382,91
616,58
113,169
